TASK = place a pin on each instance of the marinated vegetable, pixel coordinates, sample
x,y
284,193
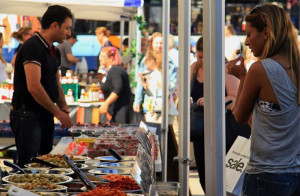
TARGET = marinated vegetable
x,y
40,179
103,192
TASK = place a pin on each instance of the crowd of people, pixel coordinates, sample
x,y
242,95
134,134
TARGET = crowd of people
x,y
265,96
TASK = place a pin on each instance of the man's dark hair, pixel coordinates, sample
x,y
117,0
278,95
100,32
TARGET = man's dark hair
x,y
55,13
199,44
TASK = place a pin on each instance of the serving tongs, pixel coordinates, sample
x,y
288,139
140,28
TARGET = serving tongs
x,y
7,147
37,160
115,154
86,181
14,166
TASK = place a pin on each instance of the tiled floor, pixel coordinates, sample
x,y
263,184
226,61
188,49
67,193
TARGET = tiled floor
x,y
194,183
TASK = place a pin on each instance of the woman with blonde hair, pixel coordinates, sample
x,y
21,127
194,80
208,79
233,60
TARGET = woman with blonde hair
x,y
269,95
102,35
154,45
23,34
115,86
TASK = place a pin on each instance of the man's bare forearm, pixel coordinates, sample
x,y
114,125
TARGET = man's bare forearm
x,y
41,96
61,101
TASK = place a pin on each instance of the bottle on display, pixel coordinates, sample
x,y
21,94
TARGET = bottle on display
x,y
70,92
101,95
82,92
11,91
69,74
69,97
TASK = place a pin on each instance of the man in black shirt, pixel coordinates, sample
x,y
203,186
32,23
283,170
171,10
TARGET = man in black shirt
x,y
38,95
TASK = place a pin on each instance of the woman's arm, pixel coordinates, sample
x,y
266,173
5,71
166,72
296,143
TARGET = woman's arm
x,y
110,99
139,89
249,88
231,86
117,85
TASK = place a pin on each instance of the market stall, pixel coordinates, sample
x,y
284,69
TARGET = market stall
x,y
83,109
73,168
213,92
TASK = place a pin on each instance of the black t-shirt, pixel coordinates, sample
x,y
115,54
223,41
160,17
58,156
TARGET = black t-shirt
x,y
19,46
35,50
117,81
197,90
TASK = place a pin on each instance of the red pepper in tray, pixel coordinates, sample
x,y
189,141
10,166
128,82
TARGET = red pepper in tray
x,y
103,192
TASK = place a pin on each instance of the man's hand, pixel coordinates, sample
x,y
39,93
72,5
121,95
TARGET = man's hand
x,y
104,108
65,109
64,119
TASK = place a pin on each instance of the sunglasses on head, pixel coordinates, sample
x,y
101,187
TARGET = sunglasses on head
x,y
257,9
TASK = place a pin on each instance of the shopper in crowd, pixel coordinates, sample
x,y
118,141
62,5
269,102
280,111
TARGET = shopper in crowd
x,y
232,43
38,96
269,95
67,59
114,83
155,45
197,94
126,58
152,82
3,74
173,67
197,27
23,34
102,35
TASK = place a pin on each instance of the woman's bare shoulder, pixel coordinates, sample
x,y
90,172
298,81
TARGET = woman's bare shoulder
x,y
257,74
257,68
193,65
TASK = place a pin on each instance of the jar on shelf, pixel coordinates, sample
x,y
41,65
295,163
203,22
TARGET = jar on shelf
x,y
101,95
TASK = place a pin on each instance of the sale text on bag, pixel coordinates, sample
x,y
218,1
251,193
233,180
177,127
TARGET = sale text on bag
x,y
238,165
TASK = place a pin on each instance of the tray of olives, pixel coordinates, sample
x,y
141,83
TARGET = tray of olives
x,y
38,165
62,171
35,187
41,179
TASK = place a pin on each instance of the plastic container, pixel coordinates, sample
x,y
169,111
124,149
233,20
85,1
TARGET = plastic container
x,y
89,141
167,188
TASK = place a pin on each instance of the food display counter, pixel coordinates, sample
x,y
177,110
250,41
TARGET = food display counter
x,y
110,174
63,181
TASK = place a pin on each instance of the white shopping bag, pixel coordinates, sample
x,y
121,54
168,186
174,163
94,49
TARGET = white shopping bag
x,y
236,161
